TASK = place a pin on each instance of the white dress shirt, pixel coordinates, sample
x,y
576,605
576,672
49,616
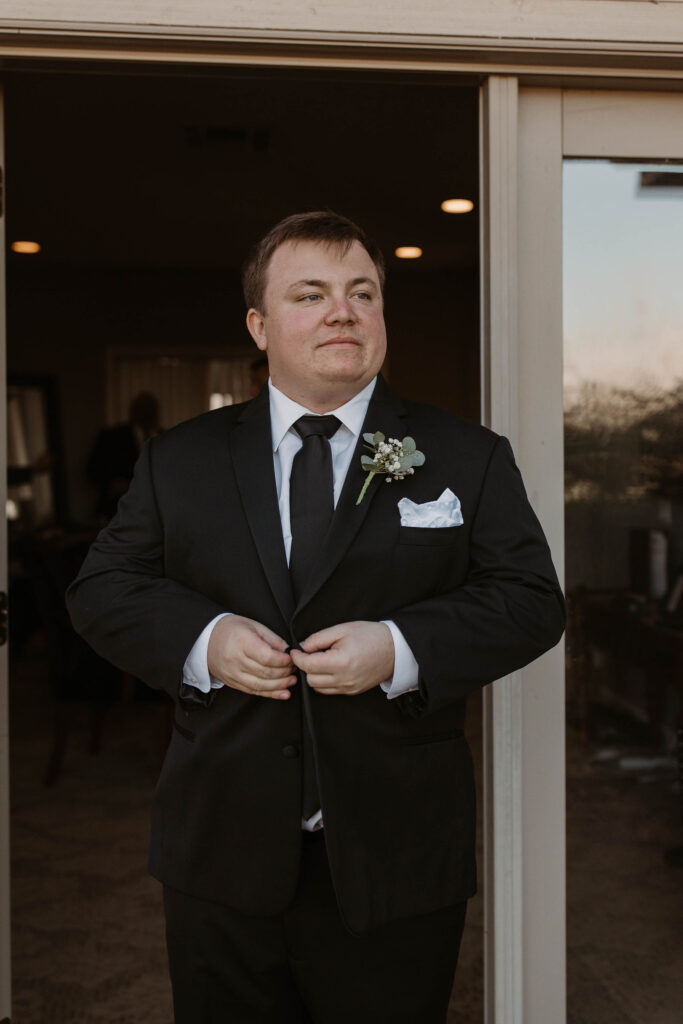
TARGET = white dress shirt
x,y
286,443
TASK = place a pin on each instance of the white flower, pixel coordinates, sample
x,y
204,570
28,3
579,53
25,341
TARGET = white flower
x,y
393,458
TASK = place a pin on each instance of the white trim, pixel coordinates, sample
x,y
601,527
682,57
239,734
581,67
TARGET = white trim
x,y
599,123
540,452
499,254
524,767
628,60
532,46
503,910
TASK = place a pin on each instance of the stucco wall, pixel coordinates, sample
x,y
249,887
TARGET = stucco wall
x,y
624,20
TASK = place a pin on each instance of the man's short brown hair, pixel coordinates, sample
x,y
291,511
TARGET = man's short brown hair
x,y
318,226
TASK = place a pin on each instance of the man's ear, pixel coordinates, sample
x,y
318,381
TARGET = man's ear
x,y
256,325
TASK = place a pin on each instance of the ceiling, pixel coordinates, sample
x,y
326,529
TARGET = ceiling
x,y
184,171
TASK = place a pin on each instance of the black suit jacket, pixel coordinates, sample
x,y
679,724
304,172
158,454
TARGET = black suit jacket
x,y
199,533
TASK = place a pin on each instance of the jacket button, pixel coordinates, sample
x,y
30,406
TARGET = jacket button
x,y
290,751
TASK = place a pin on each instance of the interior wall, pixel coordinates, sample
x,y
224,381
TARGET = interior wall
x,y
61,322
145,192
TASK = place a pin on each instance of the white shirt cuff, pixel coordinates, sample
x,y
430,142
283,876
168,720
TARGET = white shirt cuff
x,y
196,667
406,669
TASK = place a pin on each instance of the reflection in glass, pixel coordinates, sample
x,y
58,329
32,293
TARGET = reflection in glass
x,y
623,327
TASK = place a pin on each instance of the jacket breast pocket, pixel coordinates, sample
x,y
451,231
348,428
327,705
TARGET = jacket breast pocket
x,y
428,536
424,560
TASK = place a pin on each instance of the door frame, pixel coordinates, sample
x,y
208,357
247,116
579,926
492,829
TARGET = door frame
x,y
554,124
521,346
524,761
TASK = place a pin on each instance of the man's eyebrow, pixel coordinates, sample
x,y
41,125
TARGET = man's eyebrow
x,y
312,282
315,283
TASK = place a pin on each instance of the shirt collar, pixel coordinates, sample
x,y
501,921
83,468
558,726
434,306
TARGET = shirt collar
x,y
284,412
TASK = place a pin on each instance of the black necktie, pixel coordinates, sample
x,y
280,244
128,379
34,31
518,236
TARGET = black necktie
x,y
311,504
311,495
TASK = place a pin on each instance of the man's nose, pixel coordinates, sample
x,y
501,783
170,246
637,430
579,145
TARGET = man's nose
x,y
341,311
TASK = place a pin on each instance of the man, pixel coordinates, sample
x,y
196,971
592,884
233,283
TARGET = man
x,y
258,375
314,821
112,460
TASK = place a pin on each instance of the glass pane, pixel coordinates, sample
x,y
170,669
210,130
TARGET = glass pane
x,y
623,328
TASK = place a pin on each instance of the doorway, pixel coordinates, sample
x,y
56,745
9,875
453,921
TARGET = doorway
x,y
144,192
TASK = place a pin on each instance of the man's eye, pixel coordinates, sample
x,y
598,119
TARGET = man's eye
x,y
309,298
364,295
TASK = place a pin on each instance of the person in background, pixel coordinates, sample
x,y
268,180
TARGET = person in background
x,y
258,375
116,450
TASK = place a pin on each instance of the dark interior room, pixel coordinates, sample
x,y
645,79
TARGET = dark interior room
x,y
145,191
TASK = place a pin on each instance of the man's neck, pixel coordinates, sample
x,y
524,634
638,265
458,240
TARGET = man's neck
x,y
321,404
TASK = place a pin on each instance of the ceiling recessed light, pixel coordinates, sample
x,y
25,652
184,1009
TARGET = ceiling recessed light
x,y
408,252
26,247
457,205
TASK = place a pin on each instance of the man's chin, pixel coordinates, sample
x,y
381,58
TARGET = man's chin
x,y
335,388
352,381
345,365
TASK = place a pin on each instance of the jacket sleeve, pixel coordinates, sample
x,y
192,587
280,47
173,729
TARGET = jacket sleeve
x,y
123,603
508,610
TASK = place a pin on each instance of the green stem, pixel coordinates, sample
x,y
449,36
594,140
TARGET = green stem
x,y
365,487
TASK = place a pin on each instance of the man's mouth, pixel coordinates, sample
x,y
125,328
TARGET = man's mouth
x,y
340,341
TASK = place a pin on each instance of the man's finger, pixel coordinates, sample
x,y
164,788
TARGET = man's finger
x,y
326,662
325,683
330,686
270,695
259,652
272,659
324,639
264,670
264,687
256,681
272,639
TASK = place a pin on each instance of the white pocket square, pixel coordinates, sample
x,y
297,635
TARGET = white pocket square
x,y
445,511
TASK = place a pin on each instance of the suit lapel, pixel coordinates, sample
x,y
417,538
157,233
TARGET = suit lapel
x,y
252,455
385,413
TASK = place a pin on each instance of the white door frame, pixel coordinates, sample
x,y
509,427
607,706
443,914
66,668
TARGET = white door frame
x,y
524,714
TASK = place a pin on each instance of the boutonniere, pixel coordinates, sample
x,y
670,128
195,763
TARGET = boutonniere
x,y
393,459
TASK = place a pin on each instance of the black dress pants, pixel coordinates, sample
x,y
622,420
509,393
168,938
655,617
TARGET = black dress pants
x,y
304,966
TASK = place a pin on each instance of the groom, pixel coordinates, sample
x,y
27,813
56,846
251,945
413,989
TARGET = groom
x,y
313,824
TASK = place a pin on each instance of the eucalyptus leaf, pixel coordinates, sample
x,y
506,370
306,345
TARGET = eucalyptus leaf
x,y
409,445
366,462
405,462
418,459
378,437
370,438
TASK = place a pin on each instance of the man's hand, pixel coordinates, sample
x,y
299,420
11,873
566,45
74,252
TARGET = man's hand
x,y
347,659
248,656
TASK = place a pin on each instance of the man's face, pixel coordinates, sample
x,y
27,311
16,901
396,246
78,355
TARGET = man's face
x,y
322,324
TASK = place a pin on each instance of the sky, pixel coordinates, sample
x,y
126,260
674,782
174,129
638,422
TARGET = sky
x,y
623,276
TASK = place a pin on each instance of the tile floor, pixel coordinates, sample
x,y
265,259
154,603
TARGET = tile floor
x,y
87,926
